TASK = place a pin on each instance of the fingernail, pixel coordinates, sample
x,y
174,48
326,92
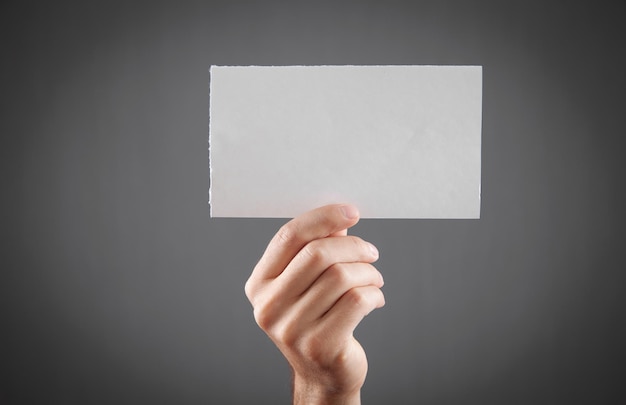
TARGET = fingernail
x,y
373,249
350,211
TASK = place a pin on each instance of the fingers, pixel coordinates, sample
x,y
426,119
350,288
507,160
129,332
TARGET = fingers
x,y
294,235
341,320
327,313
319,255
281,314
332,285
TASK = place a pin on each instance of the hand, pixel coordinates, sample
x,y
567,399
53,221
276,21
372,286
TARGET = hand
x,y
310,290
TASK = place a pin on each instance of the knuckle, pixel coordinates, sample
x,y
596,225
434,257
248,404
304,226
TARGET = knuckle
x,y
287,235
357,297
361,246
265,313
338,274
357,241
313,252
286,334
263,318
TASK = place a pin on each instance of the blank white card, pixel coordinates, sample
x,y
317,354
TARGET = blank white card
x,y
396,141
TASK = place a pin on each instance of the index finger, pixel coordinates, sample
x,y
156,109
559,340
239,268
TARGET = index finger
x,y
295,234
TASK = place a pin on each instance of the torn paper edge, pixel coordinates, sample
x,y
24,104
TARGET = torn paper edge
x,y
354,66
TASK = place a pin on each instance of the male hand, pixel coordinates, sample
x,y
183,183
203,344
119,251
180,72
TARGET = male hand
x,y
310,290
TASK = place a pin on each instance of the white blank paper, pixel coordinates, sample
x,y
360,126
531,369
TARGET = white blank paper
x,y
397,141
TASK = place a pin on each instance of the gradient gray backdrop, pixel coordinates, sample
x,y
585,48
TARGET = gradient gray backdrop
x,y
116,287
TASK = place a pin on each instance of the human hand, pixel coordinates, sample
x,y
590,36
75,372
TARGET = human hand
x,y
310,289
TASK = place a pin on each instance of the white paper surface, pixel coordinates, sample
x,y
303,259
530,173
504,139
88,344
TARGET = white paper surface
x,y
396,141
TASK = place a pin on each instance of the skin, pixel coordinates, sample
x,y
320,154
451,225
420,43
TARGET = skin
x,y
310,289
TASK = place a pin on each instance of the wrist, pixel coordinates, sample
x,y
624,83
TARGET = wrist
x,y
313,393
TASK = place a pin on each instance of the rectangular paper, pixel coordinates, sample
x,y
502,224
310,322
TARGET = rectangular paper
x,y
396,141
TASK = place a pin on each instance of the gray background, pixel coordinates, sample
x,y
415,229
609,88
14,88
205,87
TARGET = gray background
x,y
116,287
